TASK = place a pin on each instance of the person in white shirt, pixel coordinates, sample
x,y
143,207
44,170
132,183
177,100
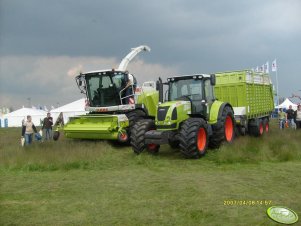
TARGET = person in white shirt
x,y
28,129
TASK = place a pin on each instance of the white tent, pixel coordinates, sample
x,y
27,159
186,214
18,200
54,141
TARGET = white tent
x,y
285,104
15,118
69,110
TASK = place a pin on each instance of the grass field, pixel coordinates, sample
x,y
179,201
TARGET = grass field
x,y
100,183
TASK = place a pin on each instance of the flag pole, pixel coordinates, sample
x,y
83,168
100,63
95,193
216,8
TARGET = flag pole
x,y
277,83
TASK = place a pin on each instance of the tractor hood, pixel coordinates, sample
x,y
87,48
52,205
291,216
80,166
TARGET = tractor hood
x,y
171,114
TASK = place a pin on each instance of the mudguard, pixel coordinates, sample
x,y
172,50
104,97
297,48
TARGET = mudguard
x,y
216,110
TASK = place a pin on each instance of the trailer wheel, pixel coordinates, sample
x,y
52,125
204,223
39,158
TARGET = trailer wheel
x,y
138,136
266,125
256,127
223,130
194,137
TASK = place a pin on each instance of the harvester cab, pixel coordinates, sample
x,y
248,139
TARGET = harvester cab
x,y
106,91
114,103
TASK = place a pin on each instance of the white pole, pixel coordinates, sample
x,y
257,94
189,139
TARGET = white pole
x,y
277,83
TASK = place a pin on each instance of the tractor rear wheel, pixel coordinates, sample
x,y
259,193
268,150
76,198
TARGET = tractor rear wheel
x,y
223,130
194,137
138,136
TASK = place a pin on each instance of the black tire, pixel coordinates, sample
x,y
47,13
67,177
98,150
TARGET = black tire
x,y
138,135
219,133
256,127
56,135
194,138
266,125
240,131
133,116
175,144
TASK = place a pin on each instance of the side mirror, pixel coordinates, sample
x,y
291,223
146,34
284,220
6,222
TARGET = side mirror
x,y
165,95
157,85
212,79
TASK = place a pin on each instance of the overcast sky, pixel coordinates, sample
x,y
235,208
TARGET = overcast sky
x,y
44,43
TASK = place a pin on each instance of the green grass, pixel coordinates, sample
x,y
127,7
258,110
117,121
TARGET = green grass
x,y
99,183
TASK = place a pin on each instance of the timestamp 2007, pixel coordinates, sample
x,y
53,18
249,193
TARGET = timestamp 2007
x,y
234,202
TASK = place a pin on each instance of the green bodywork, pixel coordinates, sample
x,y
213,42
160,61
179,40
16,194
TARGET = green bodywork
x,y
150,101
96,126
214,110
183,109
239,89
108,126
247,89
183,112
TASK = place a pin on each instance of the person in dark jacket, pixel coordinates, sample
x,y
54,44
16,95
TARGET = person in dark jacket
x,y
28,129
291,117
47,127
130,89
298,116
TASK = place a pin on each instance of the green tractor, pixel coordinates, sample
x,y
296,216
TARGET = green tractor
x,y
112,110
191,118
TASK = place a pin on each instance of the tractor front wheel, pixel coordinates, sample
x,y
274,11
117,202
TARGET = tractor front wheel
x,y
194,138
138,136
133,117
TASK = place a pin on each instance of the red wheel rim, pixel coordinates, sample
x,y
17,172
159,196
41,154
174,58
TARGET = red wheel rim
x,y
202,139
123,136
260,128
229,128
267,127
151,147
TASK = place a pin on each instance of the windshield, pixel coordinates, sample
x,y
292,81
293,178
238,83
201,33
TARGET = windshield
x,y
103,88
190,88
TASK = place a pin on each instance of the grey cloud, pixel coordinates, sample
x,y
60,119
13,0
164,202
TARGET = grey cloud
x,y
48,80
192,36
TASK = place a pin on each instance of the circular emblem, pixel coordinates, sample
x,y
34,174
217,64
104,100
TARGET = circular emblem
x,y
282,215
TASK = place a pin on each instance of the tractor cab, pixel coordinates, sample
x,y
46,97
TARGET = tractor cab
x,y
198,90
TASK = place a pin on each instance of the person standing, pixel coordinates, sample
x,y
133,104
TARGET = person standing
x,y
291,117
47,127
282,118
130,89
298,116
28,129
